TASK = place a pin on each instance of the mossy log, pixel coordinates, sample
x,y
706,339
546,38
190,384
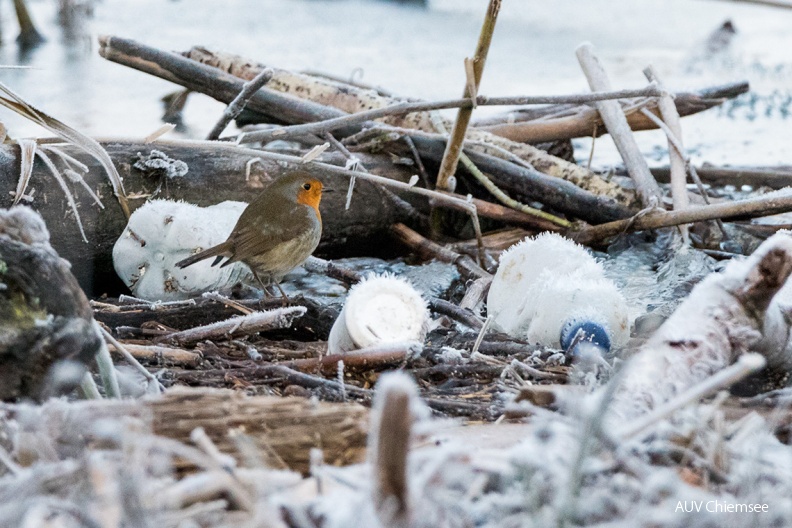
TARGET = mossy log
x,y
44,315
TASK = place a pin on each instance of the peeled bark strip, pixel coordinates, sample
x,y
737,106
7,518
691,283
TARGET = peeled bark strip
x,y
722,319
322,90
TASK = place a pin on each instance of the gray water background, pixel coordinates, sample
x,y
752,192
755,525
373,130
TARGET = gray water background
x,y
419,52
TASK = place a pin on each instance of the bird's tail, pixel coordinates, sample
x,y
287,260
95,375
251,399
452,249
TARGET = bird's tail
x,y
220,251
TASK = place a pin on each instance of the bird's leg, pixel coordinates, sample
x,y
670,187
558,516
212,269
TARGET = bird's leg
x,y
283,293
265,288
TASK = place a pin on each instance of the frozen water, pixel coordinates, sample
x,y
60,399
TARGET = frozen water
x,y
651,276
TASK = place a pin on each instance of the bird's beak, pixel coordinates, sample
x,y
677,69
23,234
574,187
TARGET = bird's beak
x,y
326,190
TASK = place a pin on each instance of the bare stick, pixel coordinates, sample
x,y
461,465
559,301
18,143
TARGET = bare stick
x,y
239,325
171,356
675,152
314,382
755,207
746,364
430,249
317,265
329,125
481,334
454,146
386,353
461,315
89,388
106,368
130,358
237,105
613,116
389,445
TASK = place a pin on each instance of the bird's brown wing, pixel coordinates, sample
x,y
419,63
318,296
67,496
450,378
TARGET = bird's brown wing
x,y
261,234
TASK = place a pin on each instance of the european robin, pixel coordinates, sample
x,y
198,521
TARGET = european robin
x,y
277,231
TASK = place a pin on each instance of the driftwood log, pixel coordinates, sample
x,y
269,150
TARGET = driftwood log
x,y
298,104
216,172
721,319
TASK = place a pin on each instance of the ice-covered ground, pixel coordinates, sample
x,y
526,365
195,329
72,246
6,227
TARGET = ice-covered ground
x,y
419,52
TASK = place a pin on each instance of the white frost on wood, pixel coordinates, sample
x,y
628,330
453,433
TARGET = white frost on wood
x,y
776,343
720,320
163,232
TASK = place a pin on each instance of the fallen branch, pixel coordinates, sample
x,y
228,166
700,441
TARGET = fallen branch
x,y
655,219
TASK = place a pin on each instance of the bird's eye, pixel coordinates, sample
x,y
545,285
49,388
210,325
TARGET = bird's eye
x,y
306,186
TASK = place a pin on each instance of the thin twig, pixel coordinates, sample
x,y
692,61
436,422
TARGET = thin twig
x,y
418,162
481,334
616,123
131,359
239,325
329,125
236,106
